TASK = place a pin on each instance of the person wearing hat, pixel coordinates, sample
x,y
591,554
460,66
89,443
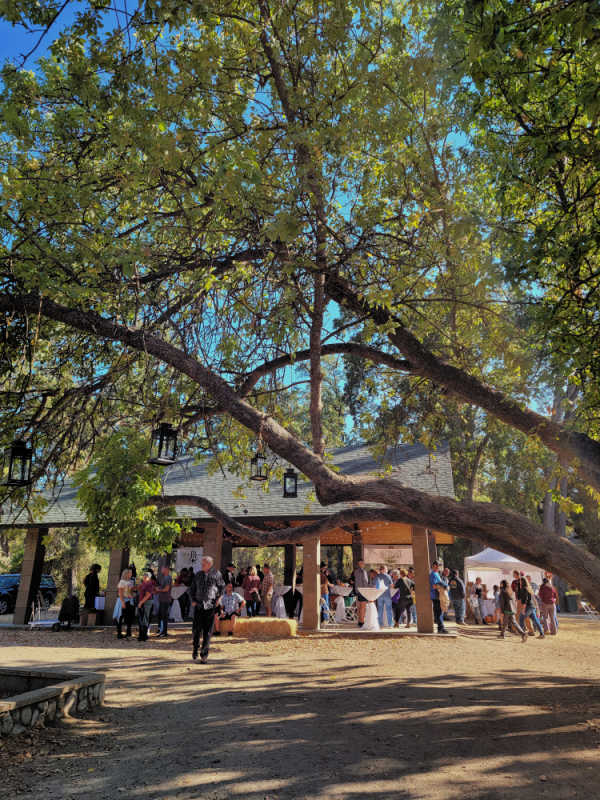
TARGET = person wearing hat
x,y
228,573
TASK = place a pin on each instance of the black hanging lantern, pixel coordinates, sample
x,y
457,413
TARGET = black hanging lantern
x,y
290,483
258,467
163,448
17,458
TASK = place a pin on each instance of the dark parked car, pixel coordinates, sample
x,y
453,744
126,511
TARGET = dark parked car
x,y
9,586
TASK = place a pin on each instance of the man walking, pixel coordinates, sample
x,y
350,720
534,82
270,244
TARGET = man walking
x,y
436,582
163,591
361,581
207,586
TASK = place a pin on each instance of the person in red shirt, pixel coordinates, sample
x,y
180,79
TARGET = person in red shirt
x,y
548,599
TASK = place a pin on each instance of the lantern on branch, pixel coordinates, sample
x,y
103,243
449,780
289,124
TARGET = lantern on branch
x,y
17,462
163,447
290,483
258,466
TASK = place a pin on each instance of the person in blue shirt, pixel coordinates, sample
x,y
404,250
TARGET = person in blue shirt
x,y
384,601
435,581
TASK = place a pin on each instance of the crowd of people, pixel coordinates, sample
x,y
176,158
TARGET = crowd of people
x,y
520,606
230,591
213,597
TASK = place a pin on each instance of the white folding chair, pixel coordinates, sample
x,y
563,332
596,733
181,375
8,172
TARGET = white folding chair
x,y
588,609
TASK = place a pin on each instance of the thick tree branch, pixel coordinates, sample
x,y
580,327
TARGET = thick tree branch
x,y
498,527
219,266
274,435
345,348
579,449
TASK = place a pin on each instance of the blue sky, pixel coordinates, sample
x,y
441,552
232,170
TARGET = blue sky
x,y
15,41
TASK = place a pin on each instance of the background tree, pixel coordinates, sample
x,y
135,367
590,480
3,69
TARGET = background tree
x,y
113,492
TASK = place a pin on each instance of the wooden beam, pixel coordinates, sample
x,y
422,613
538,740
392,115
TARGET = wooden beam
x,y
358,549
213,542
311,584
433,555
226,552
31,574
422,565
289,576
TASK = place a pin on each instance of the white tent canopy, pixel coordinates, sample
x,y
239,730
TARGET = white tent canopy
x,y
492,567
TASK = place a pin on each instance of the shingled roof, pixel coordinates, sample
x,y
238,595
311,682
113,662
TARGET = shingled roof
x,y
412,465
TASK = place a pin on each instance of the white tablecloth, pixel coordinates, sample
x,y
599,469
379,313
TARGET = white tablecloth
x,y
344,591
340,610
175,614
371,593
175,611
371,620
488,607
278,607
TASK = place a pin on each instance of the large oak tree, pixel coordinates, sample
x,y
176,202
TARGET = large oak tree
x,y
189,201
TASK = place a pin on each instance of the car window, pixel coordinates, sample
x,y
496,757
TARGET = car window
x,y
8,581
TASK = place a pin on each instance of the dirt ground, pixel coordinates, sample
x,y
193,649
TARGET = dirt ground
x,y
335,719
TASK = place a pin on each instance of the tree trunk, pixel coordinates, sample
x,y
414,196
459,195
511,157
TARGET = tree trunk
x,y
316,374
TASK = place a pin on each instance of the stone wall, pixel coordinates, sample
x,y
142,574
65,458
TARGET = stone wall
x,y
62,693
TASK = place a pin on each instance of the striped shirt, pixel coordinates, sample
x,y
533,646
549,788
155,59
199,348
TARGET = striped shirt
x,y
231,602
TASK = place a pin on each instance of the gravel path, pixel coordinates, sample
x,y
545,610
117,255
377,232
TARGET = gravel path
x,y
474,718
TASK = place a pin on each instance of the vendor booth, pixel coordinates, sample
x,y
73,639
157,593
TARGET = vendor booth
x,y
492,567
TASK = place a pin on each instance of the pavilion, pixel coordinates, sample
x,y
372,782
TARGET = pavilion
x,y
413,465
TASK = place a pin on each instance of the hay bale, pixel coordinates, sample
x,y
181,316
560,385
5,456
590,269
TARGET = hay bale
x,y
265,627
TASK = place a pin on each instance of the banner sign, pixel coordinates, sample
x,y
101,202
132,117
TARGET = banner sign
x,y
188,557
391,556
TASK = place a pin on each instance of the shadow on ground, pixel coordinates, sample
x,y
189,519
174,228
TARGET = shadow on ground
x,y
225,732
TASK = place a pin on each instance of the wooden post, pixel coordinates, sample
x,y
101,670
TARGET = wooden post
x,y
358,549
213,543
226,552
433,556
289,564
420,546
31,574
119,559
289,576
311,584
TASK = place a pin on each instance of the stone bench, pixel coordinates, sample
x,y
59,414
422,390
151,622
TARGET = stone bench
x,y
45,695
